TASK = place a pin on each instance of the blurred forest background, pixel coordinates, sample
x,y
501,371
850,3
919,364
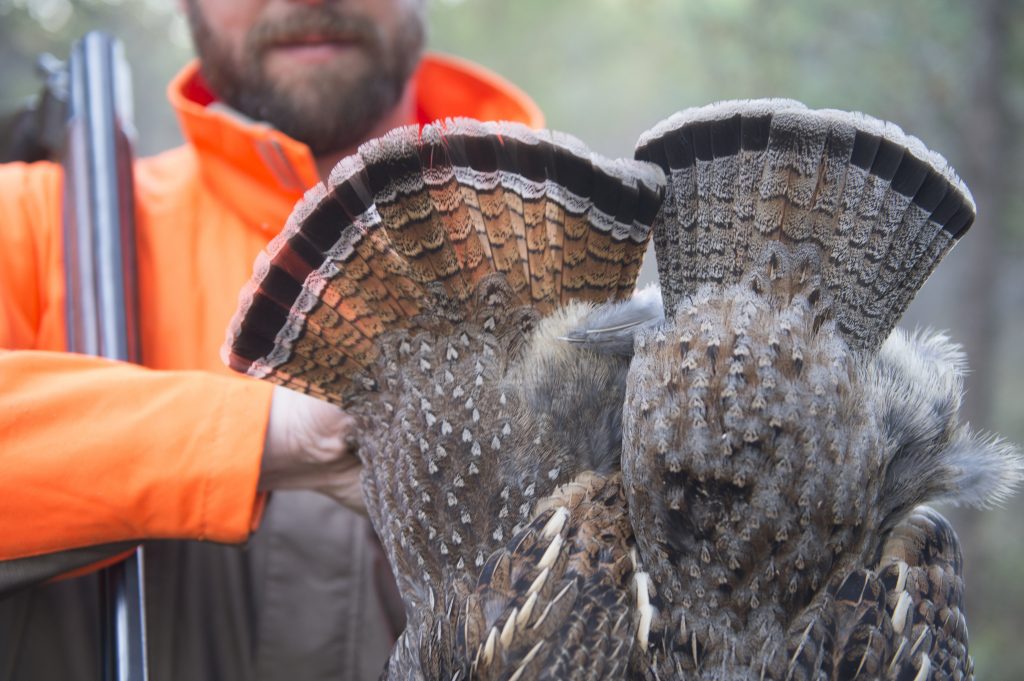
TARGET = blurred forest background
x,y
948,71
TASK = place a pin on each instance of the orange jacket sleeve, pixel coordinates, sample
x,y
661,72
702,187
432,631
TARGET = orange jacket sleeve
x,y
94,451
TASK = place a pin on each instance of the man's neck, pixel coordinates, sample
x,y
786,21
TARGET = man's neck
x,y
403,113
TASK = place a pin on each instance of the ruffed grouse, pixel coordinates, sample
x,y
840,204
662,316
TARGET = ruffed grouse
x,y
570,487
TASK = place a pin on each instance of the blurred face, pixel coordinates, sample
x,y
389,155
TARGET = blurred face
x,y
323,72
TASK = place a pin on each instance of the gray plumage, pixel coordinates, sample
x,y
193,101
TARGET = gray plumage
x,y
772,443
917,384
612,328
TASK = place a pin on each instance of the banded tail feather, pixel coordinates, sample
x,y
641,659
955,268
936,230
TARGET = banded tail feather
x,y
839,207
412,224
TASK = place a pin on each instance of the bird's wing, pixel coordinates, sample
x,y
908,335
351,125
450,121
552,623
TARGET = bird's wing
x,y
901,618
558,601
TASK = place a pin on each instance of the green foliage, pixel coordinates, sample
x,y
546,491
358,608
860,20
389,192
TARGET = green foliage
x,y
619,62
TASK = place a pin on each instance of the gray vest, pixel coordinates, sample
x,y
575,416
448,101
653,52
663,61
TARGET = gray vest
x,y
309,597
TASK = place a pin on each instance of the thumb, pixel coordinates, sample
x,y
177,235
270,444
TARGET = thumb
x,y
305,436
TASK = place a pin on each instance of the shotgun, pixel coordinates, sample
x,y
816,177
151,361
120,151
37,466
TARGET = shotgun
x,y
102,305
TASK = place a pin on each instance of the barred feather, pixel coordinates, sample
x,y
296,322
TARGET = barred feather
x,y
414,222
898,618
840,208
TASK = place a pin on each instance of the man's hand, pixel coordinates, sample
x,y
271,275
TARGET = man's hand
x,y
311,445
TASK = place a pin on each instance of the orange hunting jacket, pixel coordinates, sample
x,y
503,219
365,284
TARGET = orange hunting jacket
x,y
94,451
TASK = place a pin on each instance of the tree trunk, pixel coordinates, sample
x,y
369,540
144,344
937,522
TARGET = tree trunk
x,y
986,168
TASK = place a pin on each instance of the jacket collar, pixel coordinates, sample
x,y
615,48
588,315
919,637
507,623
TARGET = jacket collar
x,y
260,172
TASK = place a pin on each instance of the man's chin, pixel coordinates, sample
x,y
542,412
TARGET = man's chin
x,y
308,100
314,114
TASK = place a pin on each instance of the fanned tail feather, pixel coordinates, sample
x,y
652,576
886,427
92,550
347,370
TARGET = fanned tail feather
x,y
841,208
412,224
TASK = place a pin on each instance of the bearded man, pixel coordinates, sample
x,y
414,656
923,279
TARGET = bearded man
x,y
96,452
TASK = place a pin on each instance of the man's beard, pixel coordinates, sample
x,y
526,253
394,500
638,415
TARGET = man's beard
x,y
332,108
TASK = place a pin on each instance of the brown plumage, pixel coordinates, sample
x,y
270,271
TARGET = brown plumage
x,y
425,291
571,487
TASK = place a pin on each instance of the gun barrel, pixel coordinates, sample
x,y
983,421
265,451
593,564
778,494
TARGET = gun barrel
x,y
102,307
102,310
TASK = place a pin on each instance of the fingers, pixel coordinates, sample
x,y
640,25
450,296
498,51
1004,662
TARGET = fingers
x,y
349,495
310,444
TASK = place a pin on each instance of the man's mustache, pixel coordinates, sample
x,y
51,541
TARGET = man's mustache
x,y
320,23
